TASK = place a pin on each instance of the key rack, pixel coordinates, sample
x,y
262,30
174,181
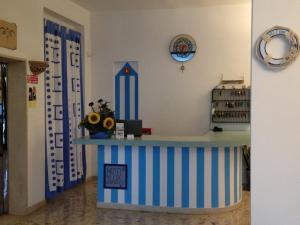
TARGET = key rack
x,y
230,105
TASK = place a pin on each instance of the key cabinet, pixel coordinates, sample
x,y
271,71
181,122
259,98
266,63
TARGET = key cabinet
x,y
230,105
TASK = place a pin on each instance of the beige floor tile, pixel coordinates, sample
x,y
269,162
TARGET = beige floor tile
x,y
78,207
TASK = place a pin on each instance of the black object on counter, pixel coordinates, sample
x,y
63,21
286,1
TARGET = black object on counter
x,y
132,127
217,129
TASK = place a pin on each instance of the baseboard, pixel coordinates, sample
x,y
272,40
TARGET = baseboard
x,y
168,210
35,207
29,209
40,204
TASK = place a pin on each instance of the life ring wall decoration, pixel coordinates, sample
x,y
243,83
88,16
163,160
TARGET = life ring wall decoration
x,y
183,48
288,57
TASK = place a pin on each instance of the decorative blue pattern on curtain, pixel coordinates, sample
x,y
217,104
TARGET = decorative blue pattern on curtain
x,y
65,162
127,93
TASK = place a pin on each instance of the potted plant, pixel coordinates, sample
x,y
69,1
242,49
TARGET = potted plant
x,y
100,122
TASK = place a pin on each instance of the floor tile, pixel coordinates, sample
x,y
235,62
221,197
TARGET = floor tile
x,y
78,207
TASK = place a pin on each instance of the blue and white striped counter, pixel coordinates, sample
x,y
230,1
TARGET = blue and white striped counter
x,y
174,174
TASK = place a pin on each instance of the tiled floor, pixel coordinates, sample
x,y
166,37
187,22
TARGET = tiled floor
x,y
78,206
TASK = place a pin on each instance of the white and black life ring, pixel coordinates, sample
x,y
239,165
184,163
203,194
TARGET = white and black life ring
x,y
288,57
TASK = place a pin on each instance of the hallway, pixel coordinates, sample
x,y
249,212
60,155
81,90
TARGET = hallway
x,y
78,207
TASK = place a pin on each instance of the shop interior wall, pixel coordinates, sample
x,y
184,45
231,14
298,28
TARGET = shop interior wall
x,y
172,102
28,15
275,198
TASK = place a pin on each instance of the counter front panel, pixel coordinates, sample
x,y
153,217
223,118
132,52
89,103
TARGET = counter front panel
x,y
173,177
171,174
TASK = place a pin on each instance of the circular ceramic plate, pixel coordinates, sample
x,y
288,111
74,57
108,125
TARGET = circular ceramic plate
x,y
183,48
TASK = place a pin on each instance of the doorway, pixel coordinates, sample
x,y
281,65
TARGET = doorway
x,y
3,140
13,154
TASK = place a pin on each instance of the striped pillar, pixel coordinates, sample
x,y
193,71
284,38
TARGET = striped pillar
x,y
126,93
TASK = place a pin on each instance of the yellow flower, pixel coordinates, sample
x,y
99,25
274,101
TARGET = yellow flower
x,y
93,118
108,123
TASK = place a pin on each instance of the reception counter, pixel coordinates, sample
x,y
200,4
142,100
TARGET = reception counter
x,y
171,174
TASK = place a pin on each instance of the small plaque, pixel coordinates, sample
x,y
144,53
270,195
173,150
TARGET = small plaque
x,y
115,176
8,35
32,79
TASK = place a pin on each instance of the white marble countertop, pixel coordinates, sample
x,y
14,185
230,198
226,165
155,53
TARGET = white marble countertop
x,y
210,139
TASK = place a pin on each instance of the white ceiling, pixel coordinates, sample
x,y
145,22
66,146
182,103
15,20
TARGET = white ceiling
x,y
112,5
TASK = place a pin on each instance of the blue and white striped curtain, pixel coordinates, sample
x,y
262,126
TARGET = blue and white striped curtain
x,y
65,162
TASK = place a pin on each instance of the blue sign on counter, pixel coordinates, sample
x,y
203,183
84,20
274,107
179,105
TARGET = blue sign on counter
x,y
115,176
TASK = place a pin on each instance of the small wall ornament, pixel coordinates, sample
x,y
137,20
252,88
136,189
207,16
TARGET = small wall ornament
x,y
289,57
183,48
8,35
37,67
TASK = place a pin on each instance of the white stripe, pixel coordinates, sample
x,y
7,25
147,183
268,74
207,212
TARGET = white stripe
x,y
193,178
177,181
121,160
163,176
231,175
107,160
221,178
149,175
207,178
122,97
132,97
135,175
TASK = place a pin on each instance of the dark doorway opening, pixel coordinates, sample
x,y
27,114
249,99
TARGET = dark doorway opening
x,y
3,140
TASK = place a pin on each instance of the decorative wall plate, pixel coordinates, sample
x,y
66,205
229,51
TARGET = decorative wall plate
x,y
288,57
183,48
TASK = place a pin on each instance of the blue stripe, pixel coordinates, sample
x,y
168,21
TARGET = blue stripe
x,y
241,171
100,196
114,160
215,177
128,162
117,96
127,97
82,112
156,176
53,28
235,174
185,177
170,176
200,177
47,191
136,97
227,176
66,113
142,175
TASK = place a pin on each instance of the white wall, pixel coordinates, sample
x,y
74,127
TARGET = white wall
x,y
275,125
29,18
172,102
